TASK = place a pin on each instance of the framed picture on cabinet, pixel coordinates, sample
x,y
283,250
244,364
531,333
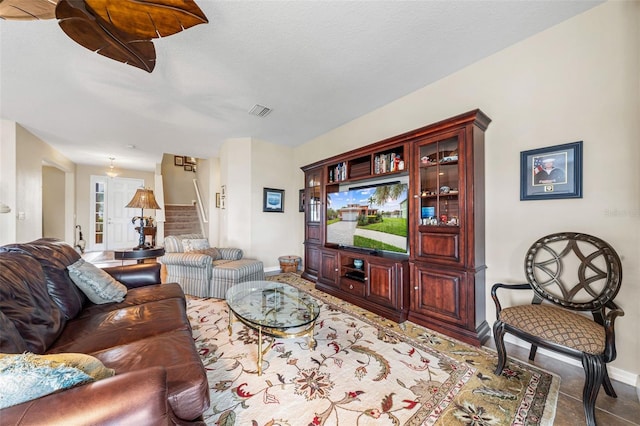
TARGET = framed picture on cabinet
x,y
273,200
551,172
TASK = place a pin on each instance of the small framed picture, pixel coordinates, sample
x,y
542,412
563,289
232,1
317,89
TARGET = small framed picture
x,y
189,160
301,201
217,200
178,160
551,172
188,168
273,200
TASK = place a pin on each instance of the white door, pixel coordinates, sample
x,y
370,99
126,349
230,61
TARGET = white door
x,y
110,224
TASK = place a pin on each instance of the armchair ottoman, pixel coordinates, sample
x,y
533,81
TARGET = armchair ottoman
x,y
199,273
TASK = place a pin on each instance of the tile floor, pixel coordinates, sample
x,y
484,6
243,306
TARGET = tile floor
x,y
621,411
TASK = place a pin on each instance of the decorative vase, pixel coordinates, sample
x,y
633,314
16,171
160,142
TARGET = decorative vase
x,y
358,263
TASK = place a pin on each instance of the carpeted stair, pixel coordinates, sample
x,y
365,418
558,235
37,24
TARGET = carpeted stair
x,y
181,219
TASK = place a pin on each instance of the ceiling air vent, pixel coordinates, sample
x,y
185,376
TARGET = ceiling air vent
x,y
259,110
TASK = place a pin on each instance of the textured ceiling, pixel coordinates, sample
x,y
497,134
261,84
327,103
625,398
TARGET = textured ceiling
x,y
318,65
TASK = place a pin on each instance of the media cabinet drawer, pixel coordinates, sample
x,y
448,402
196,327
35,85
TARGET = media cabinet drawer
x,y
353,287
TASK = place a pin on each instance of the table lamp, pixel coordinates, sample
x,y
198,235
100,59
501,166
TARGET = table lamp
x,y
142,199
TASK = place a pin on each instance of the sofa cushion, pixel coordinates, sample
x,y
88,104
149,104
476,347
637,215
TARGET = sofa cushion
x,y
96,284
137,296
194,244
211,251
121,326
173,243
24,377
54,256
11,342
25,302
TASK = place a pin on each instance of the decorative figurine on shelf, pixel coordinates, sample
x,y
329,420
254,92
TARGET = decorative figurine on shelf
x,y
358,263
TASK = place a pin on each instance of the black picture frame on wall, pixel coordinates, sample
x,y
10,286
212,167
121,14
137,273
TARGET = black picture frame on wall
x,y
273,200
301,201
552,172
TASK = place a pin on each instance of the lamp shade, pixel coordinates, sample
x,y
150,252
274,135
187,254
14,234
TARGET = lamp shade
x,y
143,199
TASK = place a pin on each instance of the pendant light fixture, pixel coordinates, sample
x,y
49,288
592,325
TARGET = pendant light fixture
x,y
112,169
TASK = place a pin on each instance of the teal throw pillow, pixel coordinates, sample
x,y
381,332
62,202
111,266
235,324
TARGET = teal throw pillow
x,y
99,286
27,376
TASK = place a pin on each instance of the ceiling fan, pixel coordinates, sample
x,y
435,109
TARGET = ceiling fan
x,y
118,29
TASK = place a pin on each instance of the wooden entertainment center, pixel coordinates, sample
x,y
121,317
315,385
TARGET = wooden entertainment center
x,y
440,281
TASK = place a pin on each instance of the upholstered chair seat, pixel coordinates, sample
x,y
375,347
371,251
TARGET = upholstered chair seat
x,y
557,325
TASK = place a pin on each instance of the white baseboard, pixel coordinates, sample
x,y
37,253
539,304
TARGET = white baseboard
x,y
618,374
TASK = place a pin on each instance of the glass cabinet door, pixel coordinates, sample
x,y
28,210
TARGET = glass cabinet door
x,y
98,224
439,183
313,182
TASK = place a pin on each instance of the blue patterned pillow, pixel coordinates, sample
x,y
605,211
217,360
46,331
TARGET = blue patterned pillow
x,y
27,376
99,286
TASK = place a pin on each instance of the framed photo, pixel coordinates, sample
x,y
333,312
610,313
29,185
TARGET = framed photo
x,y
217,200
273,200
189,160
178,160
301,201
551,172
188,168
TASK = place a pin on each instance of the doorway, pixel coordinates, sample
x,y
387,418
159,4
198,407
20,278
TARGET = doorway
x,y
110,226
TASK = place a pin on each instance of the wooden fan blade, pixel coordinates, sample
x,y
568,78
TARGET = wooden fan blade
x,y
27,10
149,18
101,37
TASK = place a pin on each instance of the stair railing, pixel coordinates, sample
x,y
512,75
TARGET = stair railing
x,y
201,213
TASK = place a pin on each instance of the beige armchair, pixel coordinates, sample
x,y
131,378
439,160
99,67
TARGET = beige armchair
x,y
207,273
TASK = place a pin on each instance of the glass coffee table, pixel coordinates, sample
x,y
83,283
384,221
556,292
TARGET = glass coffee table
x,y
275,310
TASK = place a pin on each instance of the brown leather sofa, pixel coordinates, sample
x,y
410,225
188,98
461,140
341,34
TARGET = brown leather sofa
x,y
146,339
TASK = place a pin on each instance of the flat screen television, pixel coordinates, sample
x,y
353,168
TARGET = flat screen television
x,y
372,217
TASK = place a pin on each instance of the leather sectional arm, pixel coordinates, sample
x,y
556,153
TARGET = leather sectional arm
x,y
135,398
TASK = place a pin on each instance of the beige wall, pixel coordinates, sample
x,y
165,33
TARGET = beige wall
x,y
8,168
274,234
31,154
53,201
247,166
178,188
236,174
576,81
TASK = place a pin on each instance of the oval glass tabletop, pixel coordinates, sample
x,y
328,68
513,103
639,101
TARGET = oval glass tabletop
x,y
272,304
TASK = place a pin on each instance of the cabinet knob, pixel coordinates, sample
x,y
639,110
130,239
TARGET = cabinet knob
x,y
350,286
416,196
415,288
366,278
336,269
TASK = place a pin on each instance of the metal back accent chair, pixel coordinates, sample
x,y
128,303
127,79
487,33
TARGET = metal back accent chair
x,y
578,274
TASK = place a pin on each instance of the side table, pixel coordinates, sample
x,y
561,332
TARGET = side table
x,y
139,255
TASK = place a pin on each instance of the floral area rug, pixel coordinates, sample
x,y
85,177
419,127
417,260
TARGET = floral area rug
x,y
365,370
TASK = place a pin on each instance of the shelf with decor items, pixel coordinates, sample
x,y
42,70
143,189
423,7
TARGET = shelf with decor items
x,y
376,163
432,270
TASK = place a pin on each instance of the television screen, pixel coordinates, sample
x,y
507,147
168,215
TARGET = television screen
x,y
372,217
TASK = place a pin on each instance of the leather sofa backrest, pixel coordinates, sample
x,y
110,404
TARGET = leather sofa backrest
x,y
24,301
54,256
